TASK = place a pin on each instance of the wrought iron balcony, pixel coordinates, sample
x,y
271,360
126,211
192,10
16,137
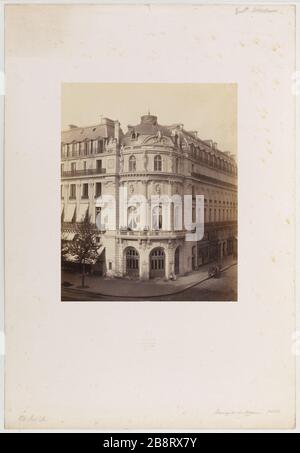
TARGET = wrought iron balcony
x,y
86,172
151,233
221,224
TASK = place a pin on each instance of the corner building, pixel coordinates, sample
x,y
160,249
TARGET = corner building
x,y
149,160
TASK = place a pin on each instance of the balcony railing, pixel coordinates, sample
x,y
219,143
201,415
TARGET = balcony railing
x,y
86,172
206,178
151,233
223,223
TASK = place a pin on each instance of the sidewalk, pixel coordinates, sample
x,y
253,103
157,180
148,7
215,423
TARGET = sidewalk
x,y
125,287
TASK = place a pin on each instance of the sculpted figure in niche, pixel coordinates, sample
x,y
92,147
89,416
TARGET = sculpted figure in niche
x,y
145,160
173,164
176,139
121,162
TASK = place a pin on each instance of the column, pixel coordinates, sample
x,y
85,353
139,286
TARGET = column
x,y
170,261
145,214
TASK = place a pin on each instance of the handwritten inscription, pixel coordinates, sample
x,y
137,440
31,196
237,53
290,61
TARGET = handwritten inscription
x,y
32,418
255,9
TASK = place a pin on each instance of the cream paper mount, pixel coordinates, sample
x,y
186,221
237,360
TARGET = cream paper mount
x,y
133,364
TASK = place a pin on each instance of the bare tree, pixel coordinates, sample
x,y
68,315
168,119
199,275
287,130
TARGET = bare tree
x,y
84,245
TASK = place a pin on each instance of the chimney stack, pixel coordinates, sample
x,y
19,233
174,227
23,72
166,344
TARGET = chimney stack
x,y
117,131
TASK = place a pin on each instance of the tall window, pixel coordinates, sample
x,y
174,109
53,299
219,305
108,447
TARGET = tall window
x,y
99,164
100,146
157,217
157,163
89,147
176,165
132,163
73,191
62,168
81,148
132,217
73,167
95,146
85,190
193,192
193,214
98,189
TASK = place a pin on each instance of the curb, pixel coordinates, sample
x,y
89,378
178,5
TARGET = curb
x,y
156,295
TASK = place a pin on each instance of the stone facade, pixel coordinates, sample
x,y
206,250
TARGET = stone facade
x,y
148,160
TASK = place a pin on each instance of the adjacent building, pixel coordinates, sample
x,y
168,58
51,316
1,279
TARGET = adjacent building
x,y
100,163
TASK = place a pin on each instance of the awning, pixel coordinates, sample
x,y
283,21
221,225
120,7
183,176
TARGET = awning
x,y
68,236
100,249
69,212
82,212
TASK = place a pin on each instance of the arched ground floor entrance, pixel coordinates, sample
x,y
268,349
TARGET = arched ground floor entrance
x,y
157,263
132,261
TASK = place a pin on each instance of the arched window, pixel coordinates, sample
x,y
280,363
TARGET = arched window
x,y
157,163
132,163
157,217
177,217
132,217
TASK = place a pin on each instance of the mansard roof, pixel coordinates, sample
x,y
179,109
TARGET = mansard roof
x,y
79,134
147,127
